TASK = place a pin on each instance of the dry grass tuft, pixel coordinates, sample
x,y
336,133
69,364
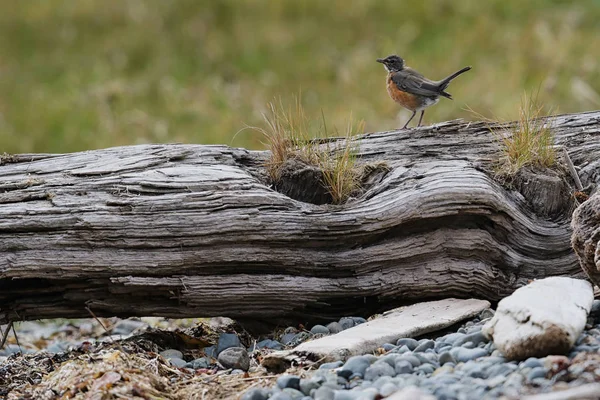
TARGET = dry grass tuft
x,y
528,142
290,134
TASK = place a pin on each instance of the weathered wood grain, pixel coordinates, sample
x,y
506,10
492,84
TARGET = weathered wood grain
x,y
191,230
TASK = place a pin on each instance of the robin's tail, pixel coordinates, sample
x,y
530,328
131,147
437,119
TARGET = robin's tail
x,y
443,84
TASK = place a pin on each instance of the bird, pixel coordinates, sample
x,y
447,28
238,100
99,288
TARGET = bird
x,y
411,89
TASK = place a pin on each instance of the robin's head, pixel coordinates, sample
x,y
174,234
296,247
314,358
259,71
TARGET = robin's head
x,y
392,63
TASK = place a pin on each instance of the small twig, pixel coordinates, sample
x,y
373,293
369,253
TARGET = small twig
x,y
5,334
16,337
572,169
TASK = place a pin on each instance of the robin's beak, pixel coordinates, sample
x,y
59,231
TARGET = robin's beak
x,y
381,60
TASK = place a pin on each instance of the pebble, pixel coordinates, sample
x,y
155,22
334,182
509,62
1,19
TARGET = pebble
x,y
227,340
462,354
424,345
198,363
286,338
288,381
210,351
171,353
379,369
403,367
269,344
319,329
235,358
334,327
177,362
346,323
331,365
255,394
408,342
357,365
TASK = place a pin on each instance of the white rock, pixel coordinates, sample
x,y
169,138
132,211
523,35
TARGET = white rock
x,y
545,317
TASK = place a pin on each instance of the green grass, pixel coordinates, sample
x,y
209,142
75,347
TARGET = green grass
x,y
85,74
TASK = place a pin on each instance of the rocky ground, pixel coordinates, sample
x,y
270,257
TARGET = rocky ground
x,y
209,359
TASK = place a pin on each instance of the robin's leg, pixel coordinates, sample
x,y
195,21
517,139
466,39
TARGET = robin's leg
x,y
421,119
410,119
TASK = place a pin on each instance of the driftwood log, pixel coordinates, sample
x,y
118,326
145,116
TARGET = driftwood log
x,y
193,230
586,236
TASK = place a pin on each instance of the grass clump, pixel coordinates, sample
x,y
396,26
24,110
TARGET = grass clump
x,y
527,142
292,136
531,140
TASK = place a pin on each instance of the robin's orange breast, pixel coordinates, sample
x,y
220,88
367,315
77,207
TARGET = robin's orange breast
x,y
406,100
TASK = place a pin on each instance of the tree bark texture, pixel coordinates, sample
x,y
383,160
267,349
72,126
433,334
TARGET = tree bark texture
x,y
194,231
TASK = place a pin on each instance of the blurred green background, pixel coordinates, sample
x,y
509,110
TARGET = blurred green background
x,y
84,74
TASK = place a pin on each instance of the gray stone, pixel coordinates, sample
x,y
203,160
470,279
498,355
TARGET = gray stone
x,y
387,389
411,359
288,381
537,372
446,357
324,393
452,337
281,396
389,358
127,326
294,394
500,370
177,362
357,365
255,394
331,365
461,354
235,358
377,370
171,353
346,323
401,349
334,327
531,362
226,341
426,368
319,329
403,367
359,320
308,385
424,345
210,351
388,347
286,338
269,344
198,363
347,395
475,338
408,342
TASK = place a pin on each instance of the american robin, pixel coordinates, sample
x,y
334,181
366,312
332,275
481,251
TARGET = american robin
x,y
412,90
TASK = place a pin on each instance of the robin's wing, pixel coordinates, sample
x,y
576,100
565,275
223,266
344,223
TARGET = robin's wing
x,y
411,81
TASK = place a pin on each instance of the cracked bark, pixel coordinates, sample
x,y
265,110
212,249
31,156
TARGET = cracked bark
x,y
191,230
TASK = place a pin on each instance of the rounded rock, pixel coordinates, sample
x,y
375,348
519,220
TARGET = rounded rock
x,y
378,370
331,365
537,372
177,362
171,353
424,345
357,365
403,367
226,341
334,327
346,323
234,358
198,363
319,329
293,393
281,396
446,357
255,394
408,342
324,393
288,381
462,354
